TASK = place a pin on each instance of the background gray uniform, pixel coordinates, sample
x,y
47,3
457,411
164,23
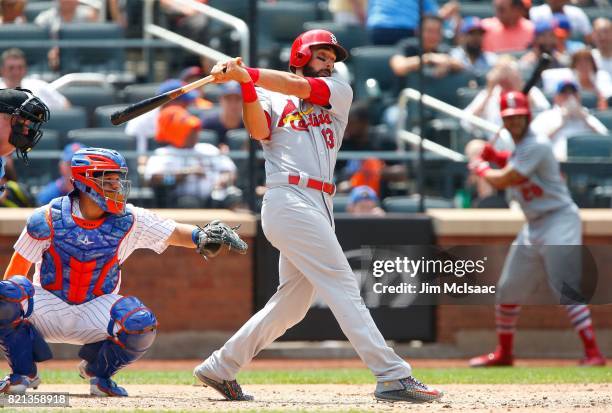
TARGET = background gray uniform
x,y
542,250
298,221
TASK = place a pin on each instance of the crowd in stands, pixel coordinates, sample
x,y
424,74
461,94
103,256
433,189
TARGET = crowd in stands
x,y
185,150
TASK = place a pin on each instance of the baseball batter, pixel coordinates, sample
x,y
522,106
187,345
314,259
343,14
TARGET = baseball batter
x,y
300,119
21,116
78,243
547,248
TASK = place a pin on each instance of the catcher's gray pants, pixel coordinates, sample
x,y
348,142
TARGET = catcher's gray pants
x,y
311,260
547,251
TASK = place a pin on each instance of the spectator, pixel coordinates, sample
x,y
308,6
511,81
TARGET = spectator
x,y
64,11
579,22
348,12
175,125
563,32
590,78
13,68
230,114
185,173
438,63
503,77
469,52
191,74
508,31
15,195
545,41
567,117
389,21
62,185
12,11
364,201
602,37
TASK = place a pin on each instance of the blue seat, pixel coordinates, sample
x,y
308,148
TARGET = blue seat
x,y
589,145
208,136
372,62
111,138
478,9
64,120
92,59
605,117
102,115
89,97
237,8
140,91
50,141
281,21
340,203
36,56
410,204
34,8
237,138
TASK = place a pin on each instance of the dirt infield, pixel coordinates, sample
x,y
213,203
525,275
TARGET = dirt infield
x,y
458,398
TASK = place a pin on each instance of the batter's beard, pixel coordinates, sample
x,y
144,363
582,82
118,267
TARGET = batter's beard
x,y
309,72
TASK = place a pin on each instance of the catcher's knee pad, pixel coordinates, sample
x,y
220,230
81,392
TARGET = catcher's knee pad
x,y
133,325
132,330
16,300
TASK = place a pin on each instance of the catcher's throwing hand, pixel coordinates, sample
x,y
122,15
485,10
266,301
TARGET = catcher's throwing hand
x,y
215,235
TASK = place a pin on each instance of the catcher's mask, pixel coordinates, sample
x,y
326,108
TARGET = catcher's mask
x,y
28,113
102,175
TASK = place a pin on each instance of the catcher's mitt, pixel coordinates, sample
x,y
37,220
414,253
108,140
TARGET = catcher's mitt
x,y
216,234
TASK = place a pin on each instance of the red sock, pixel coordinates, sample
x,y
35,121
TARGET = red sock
x,y
506,343
587,335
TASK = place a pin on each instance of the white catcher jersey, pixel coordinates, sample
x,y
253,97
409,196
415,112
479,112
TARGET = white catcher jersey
x,y
305,137
544,189
149,231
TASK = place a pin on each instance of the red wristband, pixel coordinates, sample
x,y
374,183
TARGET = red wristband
x,y
249,94
254,73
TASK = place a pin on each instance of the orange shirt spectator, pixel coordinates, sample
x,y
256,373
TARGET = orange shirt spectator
x,y
508,30
368,174
175,125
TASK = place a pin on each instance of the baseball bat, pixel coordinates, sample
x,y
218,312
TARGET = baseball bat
x,y
147,105
543,63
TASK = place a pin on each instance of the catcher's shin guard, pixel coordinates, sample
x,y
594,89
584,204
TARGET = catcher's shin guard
x,y
132,330
20,341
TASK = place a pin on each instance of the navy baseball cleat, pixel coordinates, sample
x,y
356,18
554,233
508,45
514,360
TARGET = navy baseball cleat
x,y
230,389
18,384
406,390
100,386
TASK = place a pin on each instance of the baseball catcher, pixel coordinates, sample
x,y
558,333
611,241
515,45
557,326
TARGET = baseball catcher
x,y
78,243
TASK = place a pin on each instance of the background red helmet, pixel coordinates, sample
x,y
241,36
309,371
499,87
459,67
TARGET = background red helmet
x,y
301,52
514,103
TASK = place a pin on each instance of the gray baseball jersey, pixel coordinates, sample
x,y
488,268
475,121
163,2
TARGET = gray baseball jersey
x,y
297,220
547,250
543,190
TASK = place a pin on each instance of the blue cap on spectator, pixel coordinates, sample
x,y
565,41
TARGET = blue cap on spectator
x,y
70,149
471,23
362,193
172,84
543,26
230,88
564,85
562,22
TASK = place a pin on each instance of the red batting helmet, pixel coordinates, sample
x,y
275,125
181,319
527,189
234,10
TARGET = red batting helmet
x,y
514,103
300,50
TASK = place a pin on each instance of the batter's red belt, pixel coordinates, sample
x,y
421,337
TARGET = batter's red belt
x,y
301,180
326,187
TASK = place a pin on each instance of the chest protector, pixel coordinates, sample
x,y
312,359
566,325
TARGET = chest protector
x,y
81,263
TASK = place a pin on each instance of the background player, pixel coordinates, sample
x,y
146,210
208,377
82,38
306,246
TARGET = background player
x,y
300,118
21,116
532,176
78,243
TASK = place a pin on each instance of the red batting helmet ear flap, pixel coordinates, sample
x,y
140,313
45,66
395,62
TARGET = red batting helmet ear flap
x,y
301,52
